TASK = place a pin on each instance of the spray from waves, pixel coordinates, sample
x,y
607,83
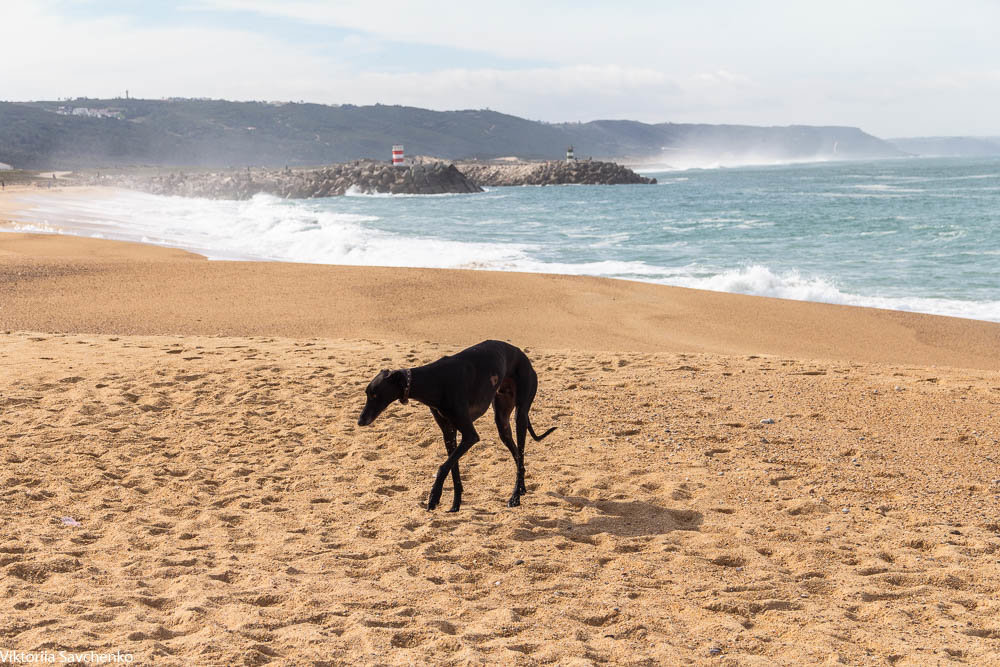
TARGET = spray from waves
x,y
687,161
355,191
756,280
760,280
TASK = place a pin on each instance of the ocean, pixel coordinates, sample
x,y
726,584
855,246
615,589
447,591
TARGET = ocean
x,y
915,234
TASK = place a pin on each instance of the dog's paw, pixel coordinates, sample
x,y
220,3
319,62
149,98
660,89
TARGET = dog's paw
x,y
433,500
454,508
514,501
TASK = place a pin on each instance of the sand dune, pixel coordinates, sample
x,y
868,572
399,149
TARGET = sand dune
x,y
197,420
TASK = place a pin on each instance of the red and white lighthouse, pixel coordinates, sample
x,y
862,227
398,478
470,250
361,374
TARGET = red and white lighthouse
x,y
397,154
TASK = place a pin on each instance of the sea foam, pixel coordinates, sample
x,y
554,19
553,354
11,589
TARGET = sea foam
x,y
264,228
785,233
760,280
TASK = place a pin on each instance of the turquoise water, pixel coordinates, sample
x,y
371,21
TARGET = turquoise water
x,y
912,234
915,234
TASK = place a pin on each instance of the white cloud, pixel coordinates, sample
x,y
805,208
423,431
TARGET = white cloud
x,y
564,93
773,62
670,36
721,78
550,31
104,56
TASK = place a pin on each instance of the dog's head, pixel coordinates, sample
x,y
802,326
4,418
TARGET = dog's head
x,y
386,387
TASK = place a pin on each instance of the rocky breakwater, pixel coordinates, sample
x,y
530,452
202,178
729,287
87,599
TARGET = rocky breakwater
x,y
364,177
562,172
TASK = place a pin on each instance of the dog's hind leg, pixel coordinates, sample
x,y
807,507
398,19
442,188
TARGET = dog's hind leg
x,y
520,422
449,432
524,395
469,438
503,404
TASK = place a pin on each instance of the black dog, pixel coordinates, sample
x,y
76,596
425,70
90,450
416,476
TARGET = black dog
x,y
458,390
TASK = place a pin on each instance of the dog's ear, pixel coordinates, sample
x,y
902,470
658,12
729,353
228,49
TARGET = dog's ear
x,y
379,378
398,378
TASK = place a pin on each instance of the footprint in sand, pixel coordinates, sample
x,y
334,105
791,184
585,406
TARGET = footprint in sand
x,y
159,528
681,493
407,639
728,560
391,490
226,577
39,571
775,481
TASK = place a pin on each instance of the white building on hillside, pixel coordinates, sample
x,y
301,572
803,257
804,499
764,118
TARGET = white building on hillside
x,y
95,113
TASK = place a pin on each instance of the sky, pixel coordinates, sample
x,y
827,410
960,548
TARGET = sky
x,y
893,68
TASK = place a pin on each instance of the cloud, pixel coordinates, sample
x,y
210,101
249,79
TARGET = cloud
x,y
768,63
563,93
60,57
677,38
104,56
721,78
555,32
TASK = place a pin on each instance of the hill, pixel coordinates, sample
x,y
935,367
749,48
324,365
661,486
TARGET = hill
x,y
949,146
219,133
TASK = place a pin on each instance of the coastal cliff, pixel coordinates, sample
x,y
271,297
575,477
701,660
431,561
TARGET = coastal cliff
x,y
561,172
366,177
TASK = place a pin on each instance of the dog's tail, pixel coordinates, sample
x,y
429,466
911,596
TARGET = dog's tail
x,y
538,437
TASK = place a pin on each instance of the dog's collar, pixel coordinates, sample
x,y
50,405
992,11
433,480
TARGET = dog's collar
x,y
409,381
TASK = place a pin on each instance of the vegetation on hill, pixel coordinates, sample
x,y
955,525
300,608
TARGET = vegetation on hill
x,y
219,133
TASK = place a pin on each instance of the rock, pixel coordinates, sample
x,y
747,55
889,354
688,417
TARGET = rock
x,y
331,181
584,172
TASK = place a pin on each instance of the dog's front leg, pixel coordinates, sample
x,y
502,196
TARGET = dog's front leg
x,y
469,438
450,445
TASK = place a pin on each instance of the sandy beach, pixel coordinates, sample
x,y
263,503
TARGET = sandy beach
x,y
734,480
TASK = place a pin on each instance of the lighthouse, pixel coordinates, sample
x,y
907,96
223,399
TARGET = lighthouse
x,y
569,154
397,154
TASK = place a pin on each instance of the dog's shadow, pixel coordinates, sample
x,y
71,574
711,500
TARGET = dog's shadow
x,y
624,519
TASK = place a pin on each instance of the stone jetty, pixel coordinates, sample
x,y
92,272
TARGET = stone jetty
x,y
554,172
363,176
